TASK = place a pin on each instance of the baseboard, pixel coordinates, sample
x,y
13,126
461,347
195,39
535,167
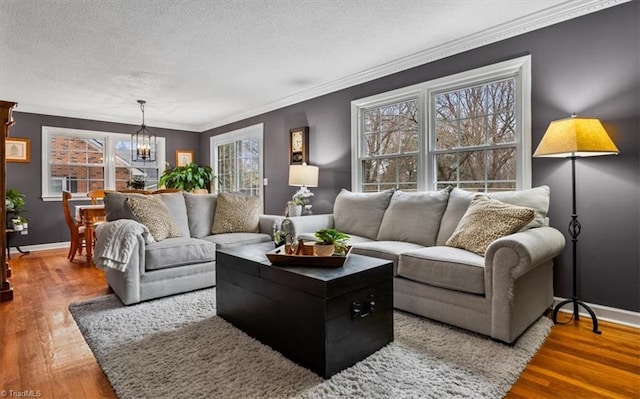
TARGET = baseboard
x,y
614,315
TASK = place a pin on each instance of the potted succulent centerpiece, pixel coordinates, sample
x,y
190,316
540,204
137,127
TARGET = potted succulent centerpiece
x,y
191,177
330,241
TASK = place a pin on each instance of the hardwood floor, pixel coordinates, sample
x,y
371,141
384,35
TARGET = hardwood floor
x,y
44,351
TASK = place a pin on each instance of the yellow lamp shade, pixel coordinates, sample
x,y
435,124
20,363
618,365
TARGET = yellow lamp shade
x,y
575,137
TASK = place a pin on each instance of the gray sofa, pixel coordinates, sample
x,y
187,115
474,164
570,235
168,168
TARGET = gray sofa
x,y
499,293
176,264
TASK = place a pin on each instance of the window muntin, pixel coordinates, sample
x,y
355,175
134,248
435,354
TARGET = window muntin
x,y
472,130
80,161
237,160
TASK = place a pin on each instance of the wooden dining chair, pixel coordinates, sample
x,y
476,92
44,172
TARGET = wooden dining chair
x,y
166,190
75,228
96,195
135,191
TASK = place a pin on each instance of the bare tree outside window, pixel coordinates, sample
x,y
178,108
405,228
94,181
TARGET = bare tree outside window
x,y
390,147
475,137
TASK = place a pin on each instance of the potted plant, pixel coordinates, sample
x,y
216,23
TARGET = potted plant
x,y
330,241
188,178
295,206
15,200
137,183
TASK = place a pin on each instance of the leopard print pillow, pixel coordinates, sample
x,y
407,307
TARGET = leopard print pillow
x,y
236,213
153,213
485,221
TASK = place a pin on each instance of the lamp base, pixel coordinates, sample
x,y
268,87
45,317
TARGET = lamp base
x,y
576,315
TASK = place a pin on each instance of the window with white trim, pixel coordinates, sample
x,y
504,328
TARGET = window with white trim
x,y
470,130
236,159
82,160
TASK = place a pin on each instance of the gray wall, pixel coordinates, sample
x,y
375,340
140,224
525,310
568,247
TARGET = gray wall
x,y
589,65
46,220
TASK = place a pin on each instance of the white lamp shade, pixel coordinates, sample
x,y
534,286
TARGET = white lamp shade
x,y
303,175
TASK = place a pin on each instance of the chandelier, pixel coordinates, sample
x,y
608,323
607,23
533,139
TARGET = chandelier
x,y
143,142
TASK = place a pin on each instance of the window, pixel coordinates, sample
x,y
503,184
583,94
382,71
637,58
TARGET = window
x,y
80,161
390,146
474,137
470,130
237,160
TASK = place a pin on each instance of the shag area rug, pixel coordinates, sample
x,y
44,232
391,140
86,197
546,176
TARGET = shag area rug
x,y
177,347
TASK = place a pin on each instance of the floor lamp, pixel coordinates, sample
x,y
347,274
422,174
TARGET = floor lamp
x,y
572,138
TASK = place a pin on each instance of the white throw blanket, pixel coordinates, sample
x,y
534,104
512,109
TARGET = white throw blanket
x,y
115,251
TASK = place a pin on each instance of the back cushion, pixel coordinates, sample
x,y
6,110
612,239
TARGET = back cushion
x,y
536,198
360,213
114,205
177,208
200,209
414,217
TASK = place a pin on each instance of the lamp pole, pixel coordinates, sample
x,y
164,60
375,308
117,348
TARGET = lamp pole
x,y
574,231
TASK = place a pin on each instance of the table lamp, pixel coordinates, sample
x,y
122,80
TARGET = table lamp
x,y
303,176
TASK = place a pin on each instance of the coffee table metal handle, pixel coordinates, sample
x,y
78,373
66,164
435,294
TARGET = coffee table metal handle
x,y
362,310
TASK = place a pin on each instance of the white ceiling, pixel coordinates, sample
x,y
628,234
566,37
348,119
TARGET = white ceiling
x,y
204,63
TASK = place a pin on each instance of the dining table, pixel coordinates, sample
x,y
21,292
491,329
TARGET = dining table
x,y
89,215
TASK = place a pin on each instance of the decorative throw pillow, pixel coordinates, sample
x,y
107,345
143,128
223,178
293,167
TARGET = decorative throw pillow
x,y
360,214
236,213
153,213
485,221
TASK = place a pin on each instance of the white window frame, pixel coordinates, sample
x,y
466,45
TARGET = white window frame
x,y
254,131
109,156
520,68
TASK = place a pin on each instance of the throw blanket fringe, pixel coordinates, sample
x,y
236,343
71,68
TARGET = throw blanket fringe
x,y
115,251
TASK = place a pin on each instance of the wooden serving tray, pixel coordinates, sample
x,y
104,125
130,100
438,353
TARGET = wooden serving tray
x,y
279,257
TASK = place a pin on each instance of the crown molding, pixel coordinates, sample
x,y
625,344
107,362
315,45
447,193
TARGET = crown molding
x,y
551,16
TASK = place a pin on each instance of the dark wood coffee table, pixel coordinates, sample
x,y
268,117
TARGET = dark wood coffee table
x,y
325,319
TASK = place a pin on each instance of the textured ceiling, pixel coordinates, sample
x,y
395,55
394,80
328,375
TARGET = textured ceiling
x,y
201,64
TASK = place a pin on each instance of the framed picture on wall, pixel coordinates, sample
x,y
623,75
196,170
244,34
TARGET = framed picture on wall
x,y
184,157
18,150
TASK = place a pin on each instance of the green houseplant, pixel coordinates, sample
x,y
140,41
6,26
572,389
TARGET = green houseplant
x,y
15,200
137,183
188,178
333,240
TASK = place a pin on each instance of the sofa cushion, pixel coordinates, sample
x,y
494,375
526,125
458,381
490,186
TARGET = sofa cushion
x,y
389,250
360,213
445,267
485,221
177,208
200,210
114,206
228,240
236,213
414,217
536,198
178,251
153,213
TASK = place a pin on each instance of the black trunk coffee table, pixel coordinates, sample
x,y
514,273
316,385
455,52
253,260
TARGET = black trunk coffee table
x,y
325,319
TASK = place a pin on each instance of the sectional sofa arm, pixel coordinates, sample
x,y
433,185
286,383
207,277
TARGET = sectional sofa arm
x,y
305,225
267,222
525,250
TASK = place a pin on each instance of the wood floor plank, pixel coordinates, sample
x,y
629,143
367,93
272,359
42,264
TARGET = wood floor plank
x,y
44,349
